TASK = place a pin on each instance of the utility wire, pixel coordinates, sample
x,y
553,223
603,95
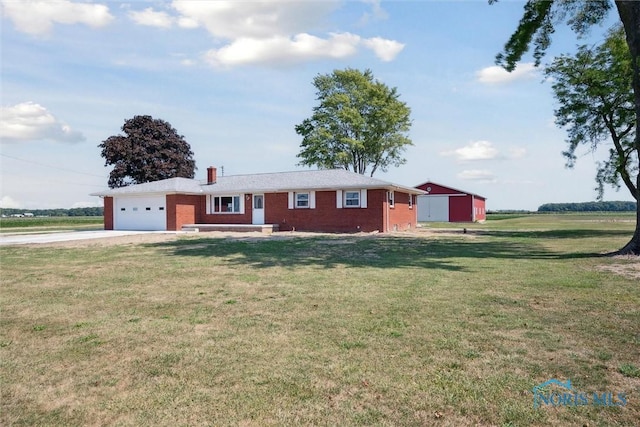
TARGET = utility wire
x,y
52,167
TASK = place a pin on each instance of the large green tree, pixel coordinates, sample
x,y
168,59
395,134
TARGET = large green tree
x,y
360,124
595,97
536,28
150,150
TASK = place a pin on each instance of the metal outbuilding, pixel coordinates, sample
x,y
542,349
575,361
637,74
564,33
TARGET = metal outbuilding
x,y
447,204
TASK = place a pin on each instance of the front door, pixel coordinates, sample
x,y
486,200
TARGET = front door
x,y
258,209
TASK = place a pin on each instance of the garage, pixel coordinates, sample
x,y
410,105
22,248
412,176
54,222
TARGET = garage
x,y
433,208
447,204
140,213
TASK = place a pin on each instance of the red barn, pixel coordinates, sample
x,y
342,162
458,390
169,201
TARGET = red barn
x,y
324,200
448,204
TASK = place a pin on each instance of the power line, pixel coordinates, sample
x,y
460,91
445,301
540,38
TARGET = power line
x,y
52,167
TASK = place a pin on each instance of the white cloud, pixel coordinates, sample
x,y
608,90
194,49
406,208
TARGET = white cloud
x,y
498,75
280,50
151,18
377,12
276,32
481,175
475,150
8,202
384,49
239,19
30,121
37,17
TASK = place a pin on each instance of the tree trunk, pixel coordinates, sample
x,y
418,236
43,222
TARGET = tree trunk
x,y
629,12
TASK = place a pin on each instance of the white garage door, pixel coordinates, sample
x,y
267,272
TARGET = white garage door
x,y
140,213
433,208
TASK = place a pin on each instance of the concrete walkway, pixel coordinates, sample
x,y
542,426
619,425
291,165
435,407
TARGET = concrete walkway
x,y
29,239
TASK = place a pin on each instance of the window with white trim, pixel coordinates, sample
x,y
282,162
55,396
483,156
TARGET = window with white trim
x,y
390,197
351,199
225,204
302,200
410,201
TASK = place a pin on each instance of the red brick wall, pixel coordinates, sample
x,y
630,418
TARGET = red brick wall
x,y
325,217
181,209
108,213
401,217
225,218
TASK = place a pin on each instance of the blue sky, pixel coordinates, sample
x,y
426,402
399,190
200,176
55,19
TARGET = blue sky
x,y
235,77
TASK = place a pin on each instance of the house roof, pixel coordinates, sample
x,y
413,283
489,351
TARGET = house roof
x,y
164,186
451,188
314,180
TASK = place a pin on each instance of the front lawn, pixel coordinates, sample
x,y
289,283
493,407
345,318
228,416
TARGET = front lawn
x,y
434,328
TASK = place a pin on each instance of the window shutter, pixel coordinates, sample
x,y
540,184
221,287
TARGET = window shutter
x,y
339,199
208,203
312,199
363,198
242,197
291,195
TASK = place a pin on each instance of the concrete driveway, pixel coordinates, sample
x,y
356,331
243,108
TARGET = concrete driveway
x,y
35,238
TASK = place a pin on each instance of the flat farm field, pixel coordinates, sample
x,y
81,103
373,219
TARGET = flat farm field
x,y
435,327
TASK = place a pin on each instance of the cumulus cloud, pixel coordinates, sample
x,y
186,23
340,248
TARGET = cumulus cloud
x,y
498,75
8,202
284,50
481,175
237,19
151,18
385,49
377,12
475,150
29,121
37,17
269,33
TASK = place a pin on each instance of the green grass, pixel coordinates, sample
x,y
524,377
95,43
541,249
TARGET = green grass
x,y
50,224
434,328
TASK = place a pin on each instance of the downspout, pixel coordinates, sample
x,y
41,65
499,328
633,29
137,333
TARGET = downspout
x,y
387,204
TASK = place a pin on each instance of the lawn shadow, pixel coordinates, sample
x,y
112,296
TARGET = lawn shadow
x,y
552,234
379,251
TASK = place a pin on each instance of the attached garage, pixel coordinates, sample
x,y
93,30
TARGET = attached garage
x,y
140,213
447,204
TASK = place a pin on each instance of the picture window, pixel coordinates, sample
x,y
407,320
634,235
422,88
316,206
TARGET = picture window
x,y
225,204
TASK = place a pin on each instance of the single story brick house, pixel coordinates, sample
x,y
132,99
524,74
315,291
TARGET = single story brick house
x,y
333,200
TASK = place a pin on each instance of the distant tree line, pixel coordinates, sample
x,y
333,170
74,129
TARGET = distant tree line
x,y
617,206
95,211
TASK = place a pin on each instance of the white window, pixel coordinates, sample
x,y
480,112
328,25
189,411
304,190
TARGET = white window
x,y
390,197
352,199
225,204
410,201
302,200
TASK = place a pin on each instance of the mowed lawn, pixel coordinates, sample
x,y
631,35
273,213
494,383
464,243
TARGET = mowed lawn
x,y
432,328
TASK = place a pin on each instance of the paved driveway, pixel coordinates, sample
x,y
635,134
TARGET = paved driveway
x,y
27,239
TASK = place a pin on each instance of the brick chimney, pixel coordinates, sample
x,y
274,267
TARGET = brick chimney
x,y
212,175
